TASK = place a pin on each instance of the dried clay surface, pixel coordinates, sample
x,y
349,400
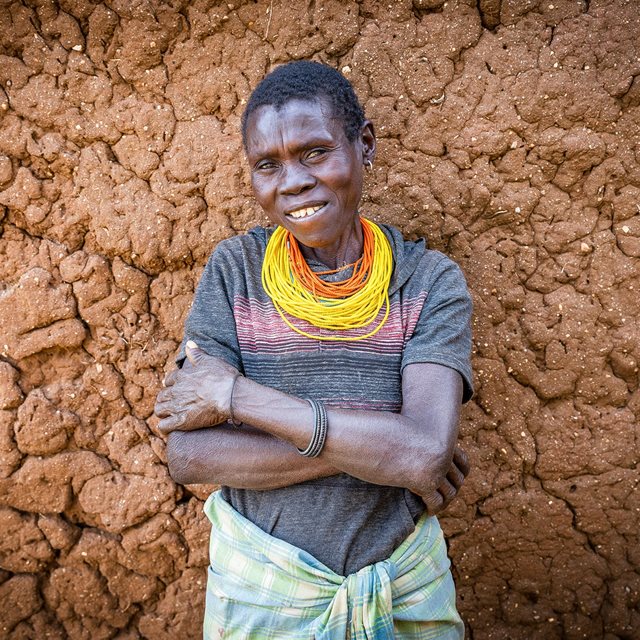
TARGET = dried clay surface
x,y
508,136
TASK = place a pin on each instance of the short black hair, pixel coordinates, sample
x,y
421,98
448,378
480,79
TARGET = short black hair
x,y
307,80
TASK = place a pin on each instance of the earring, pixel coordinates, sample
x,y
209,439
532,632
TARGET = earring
x,y
368,164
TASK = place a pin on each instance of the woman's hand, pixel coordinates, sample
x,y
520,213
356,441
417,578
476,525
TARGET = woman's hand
x,y
446,491
198,395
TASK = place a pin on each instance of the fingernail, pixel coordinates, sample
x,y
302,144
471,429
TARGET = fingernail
x,y
191,344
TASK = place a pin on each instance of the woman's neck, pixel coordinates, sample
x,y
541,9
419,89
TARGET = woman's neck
x,y
344,252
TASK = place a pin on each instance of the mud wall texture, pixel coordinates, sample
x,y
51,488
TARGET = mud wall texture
x,y
508,135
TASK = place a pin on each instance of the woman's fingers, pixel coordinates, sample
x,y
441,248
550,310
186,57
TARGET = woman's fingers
x,y
438,500
455,477
171,377
434,502
448,488
461,461
163,396
173,423
448,492
162,410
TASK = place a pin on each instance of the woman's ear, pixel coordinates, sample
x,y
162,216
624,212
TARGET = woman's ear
x,y
368,139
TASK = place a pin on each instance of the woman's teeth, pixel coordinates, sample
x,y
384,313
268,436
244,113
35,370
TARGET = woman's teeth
x,y
303,213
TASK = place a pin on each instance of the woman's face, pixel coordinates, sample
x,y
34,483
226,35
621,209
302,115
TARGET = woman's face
x,y
305,173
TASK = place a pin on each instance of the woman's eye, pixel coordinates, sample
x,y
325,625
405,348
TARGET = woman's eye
x,y
265,165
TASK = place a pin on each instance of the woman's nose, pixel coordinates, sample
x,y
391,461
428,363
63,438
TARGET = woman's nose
x,y
296,179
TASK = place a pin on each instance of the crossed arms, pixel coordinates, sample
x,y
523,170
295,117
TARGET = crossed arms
x,y
415,449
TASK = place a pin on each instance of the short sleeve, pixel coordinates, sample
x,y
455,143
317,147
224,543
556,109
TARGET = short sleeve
x,y
442,333
211,323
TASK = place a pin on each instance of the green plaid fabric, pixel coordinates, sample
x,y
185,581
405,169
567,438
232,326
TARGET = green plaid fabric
x,y
262,588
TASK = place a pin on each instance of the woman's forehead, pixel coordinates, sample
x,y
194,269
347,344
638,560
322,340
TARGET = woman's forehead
x,y
295,122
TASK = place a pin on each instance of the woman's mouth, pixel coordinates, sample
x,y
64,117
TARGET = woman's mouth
x,y
305,212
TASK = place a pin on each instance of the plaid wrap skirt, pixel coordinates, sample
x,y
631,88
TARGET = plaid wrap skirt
x,y
263,588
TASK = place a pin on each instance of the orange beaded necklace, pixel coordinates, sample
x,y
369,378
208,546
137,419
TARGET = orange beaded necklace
x,y
311,280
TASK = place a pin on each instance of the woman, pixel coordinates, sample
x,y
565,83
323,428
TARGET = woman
x,y
332,357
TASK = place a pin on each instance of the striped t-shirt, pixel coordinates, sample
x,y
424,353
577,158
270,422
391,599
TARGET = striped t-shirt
x,y
346,523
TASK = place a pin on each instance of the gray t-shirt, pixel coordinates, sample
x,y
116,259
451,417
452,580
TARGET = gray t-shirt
x,y
344,522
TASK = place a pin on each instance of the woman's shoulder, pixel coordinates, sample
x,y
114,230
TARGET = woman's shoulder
x,y
245,248
414,250
416,265
438,269
254,239
438,260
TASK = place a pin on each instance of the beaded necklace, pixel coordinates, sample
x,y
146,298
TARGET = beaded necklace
x,y
350,304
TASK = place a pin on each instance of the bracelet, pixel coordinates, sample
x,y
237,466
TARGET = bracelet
x,y
320,424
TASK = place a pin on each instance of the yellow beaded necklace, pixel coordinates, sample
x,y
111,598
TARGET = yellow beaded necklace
x,y
353,311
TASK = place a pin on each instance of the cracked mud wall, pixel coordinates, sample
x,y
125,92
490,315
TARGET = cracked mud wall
x,y
508,135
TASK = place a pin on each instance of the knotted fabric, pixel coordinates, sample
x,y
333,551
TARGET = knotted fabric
x,y
263,588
